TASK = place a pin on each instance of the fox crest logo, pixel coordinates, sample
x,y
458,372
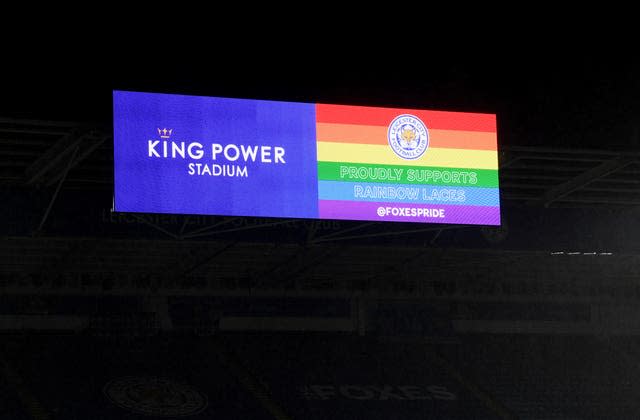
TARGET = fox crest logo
x,y
408,136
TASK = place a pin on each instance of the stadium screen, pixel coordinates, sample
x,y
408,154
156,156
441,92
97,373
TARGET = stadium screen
x,y
239,157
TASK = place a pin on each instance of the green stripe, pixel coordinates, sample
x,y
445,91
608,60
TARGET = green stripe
x,y
397,174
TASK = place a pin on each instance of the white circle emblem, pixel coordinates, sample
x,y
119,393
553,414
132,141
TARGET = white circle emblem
x,y
155,396
408,136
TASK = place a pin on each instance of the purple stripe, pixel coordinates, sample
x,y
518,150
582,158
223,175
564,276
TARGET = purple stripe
x,y
400,212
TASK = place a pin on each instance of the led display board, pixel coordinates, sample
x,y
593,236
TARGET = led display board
x,y
239,157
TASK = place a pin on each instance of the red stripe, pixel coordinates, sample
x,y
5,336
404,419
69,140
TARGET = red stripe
x,y
366,115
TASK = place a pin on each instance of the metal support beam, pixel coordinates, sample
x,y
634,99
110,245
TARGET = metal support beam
x,y
295,260
575,151
88,145
209,228
155,226
382,234
55,194
343,231
36,123
583,179
47,168
307,262
238,229
206,260
52,157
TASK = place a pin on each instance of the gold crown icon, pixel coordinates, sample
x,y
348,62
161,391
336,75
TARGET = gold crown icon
x,y
165,133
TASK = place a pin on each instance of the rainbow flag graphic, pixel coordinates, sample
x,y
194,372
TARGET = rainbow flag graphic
x,y
390,164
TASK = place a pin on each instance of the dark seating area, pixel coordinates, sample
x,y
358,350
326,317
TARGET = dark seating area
x,y
317,376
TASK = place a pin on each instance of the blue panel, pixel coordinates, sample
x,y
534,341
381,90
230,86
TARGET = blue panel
x,y
241,157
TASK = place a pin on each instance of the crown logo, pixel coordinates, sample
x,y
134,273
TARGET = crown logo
x,y
165,133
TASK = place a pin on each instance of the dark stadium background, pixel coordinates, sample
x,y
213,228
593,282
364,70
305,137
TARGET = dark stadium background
x,y
279,319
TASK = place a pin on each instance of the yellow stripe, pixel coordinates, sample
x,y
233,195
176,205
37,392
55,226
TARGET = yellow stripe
x,y
369,153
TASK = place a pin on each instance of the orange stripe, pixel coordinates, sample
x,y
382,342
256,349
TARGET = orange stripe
x,y
374,134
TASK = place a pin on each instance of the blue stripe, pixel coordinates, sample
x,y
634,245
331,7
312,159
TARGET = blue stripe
x,y
408,193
